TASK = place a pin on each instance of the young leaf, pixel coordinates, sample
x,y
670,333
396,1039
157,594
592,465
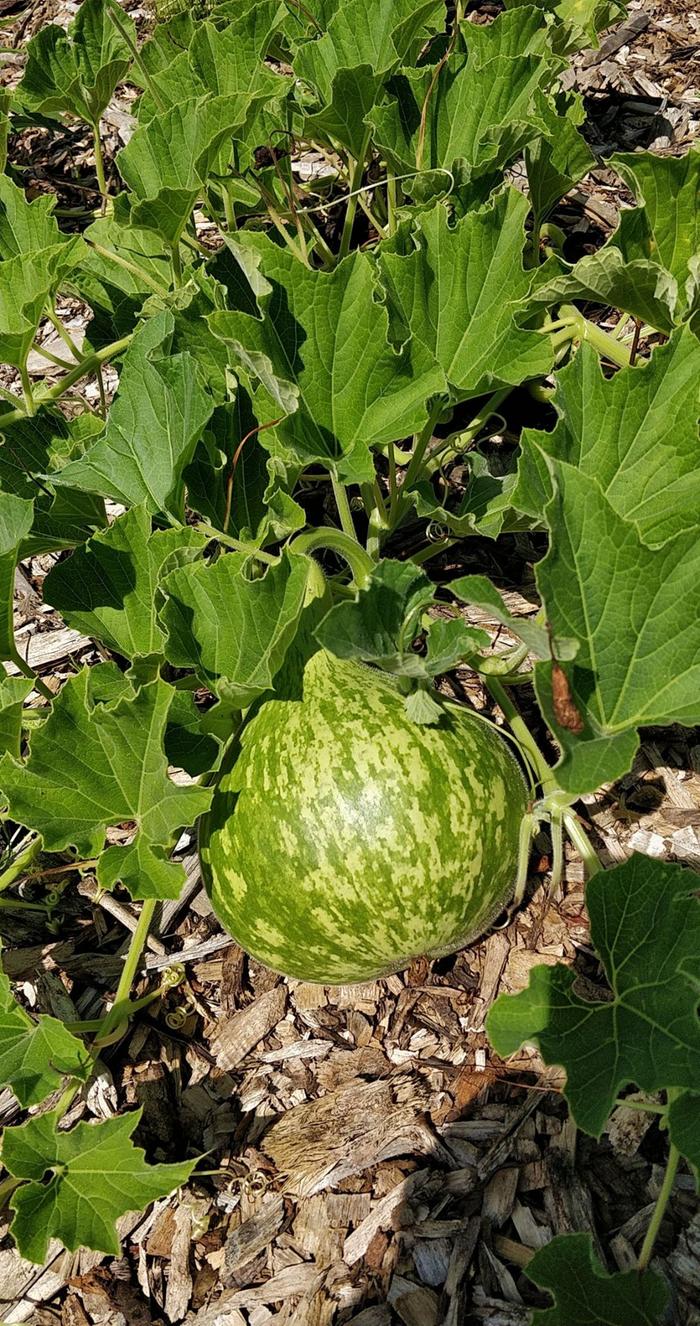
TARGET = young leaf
x,y
381,624
557,160
96,1175
123,265
107,588
636,433
636,613
479,591
226,624
75,73
645,926
586,1295
35,1055
117,774
16,517
154,424
323,345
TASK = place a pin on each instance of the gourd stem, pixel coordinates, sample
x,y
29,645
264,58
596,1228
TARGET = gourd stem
x,y
27,671
415,463
545,774
116,17
355,183
100,167
583,330
662,1201
361,565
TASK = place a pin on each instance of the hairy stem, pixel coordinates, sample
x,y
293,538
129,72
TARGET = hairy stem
x,y
117,19
100,167
89,364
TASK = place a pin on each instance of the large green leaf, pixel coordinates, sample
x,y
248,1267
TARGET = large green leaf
x,y
95,1174
75,73
228,625
645,926
167,161
348,65
636,433
123,265
154,424
323,359
586,1295
469,123
449,284
26,227
116,774
35,1055
107,588
649,267
636,613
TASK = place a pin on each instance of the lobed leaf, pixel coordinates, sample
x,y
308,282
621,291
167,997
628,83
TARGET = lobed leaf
x,y
586,1295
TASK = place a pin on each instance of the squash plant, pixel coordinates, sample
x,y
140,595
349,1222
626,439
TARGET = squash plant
x,y
322,293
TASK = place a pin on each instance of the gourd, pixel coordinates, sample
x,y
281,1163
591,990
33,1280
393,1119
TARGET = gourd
x,y
344,840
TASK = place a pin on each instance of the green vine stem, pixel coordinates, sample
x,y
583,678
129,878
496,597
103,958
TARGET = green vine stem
x,y
28,672
100,167
571,326
343,505
88,365
230,542
21,863
335,540
358,171
662,1201
120,1008
415,464
117,19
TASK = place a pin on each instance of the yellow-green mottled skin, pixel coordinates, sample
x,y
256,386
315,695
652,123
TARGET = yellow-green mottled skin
x,y
347,840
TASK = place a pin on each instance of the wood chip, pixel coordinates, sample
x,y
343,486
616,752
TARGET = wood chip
x,y
242,1032
250,1238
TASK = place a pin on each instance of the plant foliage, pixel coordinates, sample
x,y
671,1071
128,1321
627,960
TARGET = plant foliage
x,y
319,293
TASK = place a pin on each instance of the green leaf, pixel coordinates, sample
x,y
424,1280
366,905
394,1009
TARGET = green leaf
x,y
636,613
36,1055
517,32
27,282
166,163
16,517
636,433
382,623
477,119
117,774
154,424
107,588
684,1126
13,693
348,65
449,287
322,346
586,1295
648,267
423,707
666,227
228,625
42,444
96,1175
645,926
479,591
76,73
188,745
559,159
26,227
130,264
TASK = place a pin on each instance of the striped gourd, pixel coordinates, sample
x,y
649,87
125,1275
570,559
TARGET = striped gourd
x,y
345,840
